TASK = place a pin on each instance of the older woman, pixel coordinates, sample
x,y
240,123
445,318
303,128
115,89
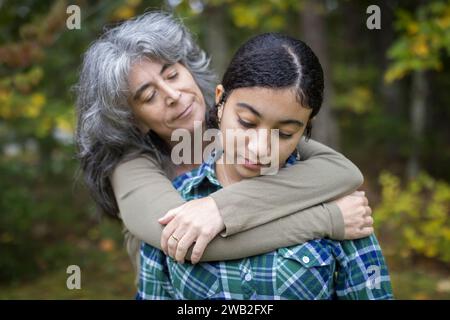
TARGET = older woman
x,y
147,77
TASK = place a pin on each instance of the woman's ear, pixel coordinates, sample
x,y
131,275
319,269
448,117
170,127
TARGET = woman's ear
x,y
219,93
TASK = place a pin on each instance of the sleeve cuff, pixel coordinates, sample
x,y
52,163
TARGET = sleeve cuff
x,y
230,220
337,221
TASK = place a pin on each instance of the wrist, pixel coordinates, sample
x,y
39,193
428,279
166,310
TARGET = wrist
x,y
337,221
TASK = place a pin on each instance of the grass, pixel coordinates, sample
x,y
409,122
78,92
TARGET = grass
x,y
103,276
420,284
116,282
106,273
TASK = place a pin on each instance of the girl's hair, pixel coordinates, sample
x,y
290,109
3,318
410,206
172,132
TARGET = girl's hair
x,y
273,60
107,132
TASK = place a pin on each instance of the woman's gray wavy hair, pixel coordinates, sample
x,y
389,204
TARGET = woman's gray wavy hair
x,y
107,132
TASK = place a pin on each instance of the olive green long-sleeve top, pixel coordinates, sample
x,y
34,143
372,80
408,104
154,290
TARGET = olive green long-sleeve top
x,y
260,214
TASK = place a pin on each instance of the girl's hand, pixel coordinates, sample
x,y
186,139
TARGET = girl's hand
x,y
197,221
357,215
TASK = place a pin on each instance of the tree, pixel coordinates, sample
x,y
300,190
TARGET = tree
x,y
313,26
423,37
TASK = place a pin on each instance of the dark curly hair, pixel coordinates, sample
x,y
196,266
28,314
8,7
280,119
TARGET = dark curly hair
x,y
273,60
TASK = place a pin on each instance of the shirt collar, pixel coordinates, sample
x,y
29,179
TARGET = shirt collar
x,y
207,170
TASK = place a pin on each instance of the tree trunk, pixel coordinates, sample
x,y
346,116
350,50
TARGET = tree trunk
x,y
216,39
419,92
313,27
391,93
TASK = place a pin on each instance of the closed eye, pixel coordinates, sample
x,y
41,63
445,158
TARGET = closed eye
x,y
246,124
172,75
150,98
285,135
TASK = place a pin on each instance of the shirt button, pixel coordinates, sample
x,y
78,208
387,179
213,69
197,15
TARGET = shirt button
x,y
305,259
248,277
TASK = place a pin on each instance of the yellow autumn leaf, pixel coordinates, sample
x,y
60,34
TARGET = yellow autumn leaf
x,y
5,105
64,124
446,233
244,17
420,47
123,13
412,28
33,109
133,3
444,21
394,73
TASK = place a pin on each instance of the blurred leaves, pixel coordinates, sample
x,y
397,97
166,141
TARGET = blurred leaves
x,y
41,214
416,216
423,37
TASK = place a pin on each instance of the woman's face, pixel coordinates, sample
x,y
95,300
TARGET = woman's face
x,y
164,97
261,108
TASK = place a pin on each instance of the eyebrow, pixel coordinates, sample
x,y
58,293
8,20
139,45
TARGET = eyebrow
x,y
145,86
292,121
249,107
256,113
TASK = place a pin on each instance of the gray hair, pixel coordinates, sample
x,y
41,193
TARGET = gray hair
x,y
107,131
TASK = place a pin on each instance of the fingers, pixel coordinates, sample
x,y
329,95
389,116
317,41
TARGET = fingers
x,y
368,222
365,232
172,244
199,248
359,233
169,216
368,211
183,246
167,232
361,200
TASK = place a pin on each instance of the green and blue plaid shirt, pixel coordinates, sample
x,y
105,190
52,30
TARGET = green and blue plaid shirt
x,y
317,269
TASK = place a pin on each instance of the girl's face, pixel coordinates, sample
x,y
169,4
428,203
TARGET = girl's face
x,y
261,108
164,97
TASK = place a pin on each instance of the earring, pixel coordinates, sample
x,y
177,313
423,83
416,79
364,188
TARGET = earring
x,y
219,113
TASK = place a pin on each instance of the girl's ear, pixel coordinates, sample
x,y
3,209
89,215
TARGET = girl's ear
x,y
219,93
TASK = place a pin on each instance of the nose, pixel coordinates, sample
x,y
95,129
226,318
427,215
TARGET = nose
x,y
172,96
259,145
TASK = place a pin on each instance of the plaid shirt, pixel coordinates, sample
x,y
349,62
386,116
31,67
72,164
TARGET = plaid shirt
x,y
317,269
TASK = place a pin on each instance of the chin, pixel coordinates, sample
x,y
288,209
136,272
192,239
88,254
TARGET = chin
x,y
189,125
247,173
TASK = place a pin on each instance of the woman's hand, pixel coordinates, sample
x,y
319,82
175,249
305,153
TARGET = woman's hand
x,y
357,215
197,221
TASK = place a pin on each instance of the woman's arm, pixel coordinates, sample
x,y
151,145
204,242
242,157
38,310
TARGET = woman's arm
x,y
312,223
324,175
144,194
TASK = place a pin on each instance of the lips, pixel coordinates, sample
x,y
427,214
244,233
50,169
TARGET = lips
x,y
254,166
185,112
